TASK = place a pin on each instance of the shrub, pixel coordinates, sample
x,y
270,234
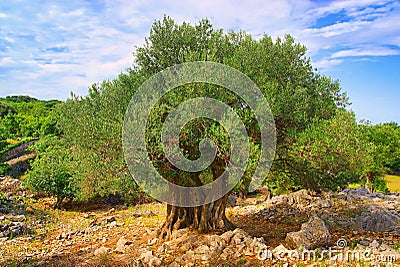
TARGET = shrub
x,y
51,170
4,168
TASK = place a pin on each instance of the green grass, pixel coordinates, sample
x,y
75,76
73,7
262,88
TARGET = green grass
x,y
393,183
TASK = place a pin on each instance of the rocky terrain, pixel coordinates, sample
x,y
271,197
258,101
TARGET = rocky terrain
x,y
350,228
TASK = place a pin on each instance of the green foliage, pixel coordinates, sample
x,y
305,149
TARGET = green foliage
x,y
298,97
318,143
52,170
386,139
327,154
23,116
92,127
3,199
379,184
4,168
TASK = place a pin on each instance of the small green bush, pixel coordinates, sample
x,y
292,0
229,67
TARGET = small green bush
x,y
4,168
379,184
51,170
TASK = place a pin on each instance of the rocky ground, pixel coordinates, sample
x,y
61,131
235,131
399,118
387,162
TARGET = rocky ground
x,y
350,228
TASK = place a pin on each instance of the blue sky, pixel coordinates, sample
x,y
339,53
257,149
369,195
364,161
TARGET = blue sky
x,y
50,48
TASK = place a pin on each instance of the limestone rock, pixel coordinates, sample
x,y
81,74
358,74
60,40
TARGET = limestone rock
x,y
101,250
146,256
12,229
313,234
379,221
122,243
301,198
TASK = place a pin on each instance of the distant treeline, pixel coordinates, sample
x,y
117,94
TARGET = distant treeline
x,y
25,116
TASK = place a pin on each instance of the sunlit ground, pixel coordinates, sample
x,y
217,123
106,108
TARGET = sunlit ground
x,y
393,182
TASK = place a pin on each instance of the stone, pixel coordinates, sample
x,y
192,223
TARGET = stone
x,y
378,221
204,252
300,198
188,257
239,236
162,249
374,244
101,250
312,234
146,256
277,200
112,224
226,253
322,204
12,229
257,245
215,240
155,261
362,190
185,247
279,251
108,220
152,241
121,243
188,240
231,201
138,263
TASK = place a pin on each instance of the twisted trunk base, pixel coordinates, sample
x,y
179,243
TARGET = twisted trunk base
x,y
203,219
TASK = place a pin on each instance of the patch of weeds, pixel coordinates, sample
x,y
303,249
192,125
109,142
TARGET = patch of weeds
x,y
354,243
351,213
4,168
326,222
242,262
396,247
3,200
103,259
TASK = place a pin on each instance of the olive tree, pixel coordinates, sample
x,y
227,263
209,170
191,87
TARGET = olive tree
x,y
296,95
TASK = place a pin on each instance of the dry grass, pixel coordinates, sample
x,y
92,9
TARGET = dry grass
x,y
393,183
78,249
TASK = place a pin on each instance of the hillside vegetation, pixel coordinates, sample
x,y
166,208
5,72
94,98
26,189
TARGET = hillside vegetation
x,y
63,169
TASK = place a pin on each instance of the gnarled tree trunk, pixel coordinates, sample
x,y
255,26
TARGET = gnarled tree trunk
x,y
203,219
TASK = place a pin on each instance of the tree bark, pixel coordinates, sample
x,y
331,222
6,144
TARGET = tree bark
x,y
58,203
368,183
202,219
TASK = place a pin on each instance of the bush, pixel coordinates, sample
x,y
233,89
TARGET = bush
x,y
328,154
4,168
51,170
379,184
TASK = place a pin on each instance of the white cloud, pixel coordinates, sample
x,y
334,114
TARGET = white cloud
x,y
365,52
327,63
6,61
99,37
